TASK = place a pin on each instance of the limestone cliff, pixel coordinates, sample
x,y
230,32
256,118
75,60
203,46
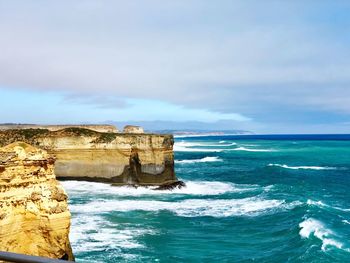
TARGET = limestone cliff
x,y
34,215
119,158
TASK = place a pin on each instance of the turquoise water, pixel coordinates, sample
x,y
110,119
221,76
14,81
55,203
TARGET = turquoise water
x,y
246,200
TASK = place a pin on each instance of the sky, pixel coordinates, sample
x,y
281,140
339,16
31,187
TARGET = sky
x,y
264,66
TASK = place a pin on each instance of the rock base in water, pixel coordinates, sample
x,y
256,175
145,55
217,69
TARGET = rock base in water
x,y
171,186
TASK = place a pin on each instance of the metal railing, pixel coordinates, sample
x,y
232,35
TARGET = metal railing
x,y
21,258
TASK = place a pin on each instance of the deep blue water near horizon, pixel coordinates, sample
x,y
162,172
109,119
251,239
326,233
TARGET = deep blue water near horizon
x,y
248,199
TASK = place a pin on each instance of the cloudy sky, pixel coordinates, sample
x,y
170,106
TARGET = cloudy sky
x,y
267,66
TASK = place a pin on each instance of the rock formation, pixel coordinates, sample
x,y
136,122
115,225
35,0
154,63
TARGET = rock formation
x,y
133,129
34,216
83,154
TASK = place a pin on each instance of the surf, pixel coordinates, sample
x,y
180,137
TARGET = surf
x,y
190,207
200,188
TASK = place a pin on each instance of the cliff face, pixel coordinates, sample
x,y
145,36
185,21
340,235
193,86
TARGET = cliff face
x,y
34,216
82,154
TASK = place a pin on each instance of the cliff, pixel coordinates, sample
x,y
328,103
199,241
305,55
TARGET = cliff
x,y
119,158
34,216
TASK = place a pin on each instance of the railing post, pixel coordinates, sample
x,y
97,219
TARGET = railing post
x,y
21,258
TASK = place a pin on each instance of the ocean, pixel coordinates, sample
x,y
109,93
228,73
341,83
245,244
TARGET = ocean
x,y
248,199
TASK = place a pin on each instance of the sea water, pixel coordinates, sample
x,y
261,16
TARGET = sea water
x,y
247,199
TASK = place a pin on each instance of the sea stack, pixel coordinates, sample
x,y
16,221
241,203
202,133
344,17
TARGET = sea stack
x,y
133,129
34,215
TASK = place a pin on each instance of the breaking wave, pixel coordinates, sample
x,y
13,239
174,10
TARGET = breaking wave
x,y
178,148
94,233
183,146
303,167
253,150
323,205
203,160
190,207
192,188
312,227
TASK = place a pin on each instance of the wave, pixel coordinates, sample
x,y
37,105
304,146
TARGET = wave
x,y
253,150
203,160
313,227
321,204
202,135
187,147
94,233
200,188
187,144
303,167
178,148
346,222
190,207
220,145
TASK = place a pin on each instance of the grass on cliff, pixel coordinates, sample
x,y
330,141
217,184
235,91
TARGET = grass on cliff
x,y
26,135
79,131
101,137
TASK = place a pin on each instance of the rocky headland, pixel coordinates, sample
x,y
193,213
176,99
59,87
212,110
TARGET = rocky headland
x,y
34,215
128,158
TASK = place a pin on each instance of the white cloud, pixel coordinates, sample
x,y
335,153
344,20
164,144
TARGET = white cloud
x,y
236,56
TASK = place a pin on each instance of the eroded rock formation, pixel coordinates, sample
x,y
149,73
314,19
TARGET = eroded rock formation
x,y
34,215
133,129
119,158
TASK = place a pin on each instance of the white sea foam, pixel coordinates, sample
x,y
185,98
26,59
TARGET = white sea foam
x,y
189,207
253,150
91,232
303,167
203,160
316,228
192,188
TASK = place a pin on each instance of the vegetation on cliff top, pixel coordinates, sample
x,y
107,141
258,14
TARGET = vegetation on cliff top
x,y
31,135
27,135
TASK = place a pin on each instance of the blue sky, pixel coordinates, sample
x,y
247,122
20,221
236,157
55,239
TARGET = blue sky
x,y
266,66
